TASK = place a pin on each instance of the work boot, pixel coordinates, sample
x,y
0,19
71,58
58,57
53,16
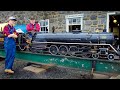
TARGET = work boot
x,y
9,71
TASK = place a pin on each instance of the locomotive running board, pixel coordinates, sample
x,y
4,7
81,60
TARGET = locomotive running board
x,y
96,65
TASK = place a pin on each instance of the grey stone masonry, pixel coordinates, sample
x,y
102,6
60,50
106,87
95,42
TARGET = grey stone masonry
x,y
92,20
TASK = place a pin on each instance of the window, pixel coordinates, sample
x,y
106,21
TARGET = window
x,y
74,22
44,24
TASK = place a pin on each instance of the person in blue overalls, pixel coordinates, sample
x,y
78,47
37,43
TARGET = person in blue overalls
x,y
9,44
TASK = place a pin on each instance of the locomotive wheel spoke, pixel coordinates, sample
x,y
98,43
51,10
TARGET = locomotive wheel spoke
x,y
53,49
63,50
111,57
73,50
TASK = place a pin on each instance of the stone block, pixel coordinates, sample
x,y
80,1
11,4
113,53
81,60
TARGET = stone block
x,y
60,19
86,18
101,16
93,17
92,29
34,69
103,21
87,27
99,21
95,26
95,22
88,22
101,26
115,77
100,76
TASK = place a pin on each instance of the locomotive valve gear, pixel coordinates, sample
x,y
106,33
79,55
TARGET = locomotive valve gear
x,y
27,46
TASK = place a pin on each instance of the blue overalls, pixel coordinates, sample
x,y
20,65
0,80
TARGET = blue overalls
x,y
10,49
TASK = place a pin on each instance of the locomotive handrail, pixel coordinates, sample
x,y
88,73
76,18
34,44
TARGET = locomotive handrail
x,y
72,43
114,49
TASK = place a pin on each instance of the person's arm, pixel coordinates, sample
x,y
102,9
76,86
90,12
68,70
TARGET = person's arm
x,y
15,34
37,27
29,28
6,31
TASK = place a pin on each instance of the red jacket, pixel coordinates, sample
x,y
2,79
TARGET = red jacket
x,y
6,30
31,27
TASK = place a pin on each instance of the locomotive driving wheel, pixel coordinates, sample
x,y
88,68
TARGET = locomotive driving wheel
x,y
72,50
53,49
63,50
111,57
95,55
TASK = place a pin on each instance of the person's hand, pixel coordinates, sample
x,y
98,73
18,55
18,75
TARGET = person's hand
x,y
15,36
35,31
11,35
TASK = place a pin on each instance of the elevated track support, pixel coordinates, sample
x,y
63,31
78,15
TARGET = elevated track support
x,y
93,65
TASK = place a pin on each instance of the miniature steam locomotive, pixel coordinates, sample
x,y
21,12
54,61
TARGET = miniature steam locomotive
x,y
84,45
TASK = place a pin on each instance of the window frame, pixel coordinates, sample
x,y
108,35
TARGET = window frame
x,y
44,26
67,17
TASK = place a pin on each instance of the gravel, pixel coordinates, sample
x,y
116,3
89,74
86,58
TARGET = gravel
x,y
57,72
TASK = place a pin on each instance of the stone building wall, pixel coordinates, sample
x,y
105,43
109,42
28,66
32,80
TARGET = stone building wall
x,y
22,16
91,21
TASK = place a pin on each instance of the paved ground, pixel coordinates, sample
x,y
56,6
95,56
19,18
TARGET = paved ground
x,y
54,73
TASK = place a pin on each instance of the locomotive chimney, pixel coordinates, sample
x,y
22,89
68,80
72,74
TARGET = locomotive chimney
x,y
53,29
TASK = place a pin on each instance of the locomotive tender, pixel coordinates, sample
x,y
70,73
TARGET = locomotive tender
x,y
83,45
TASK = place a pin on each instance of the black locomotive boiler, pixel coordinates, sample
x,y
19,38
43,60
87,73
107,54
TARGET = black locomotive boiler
x,y
84,45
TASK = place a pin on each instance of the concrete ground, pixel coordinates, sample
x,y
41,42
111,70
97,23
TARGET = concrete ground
x,y
57,72
53,73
